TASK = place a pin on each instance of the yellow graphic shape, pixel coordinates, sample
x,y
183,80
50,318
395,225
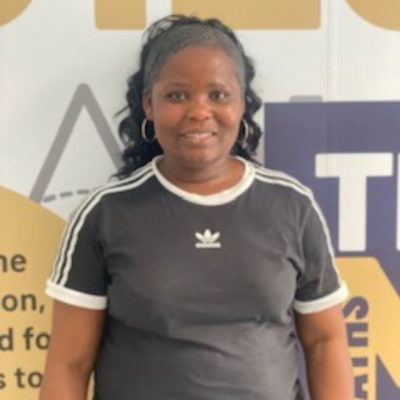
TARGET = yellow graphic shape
x,y
250,14
382,13
120,14
10,9
256,14
366,279
29,240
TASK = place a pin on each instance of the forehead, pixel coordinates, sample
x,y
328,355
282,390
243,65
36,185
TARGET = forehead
x,y
198,61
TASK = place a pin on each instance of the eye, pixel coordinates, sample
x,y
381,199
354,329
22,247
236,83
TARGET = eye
x,y
176,96
219,95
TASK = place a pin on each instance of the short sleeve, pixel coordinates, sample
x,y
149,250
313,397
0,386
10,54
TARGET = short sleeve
x,y
319,284
79,275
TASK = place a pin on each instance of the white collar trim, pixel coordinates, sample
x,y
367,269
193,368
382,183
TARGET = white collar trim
x,y
214,199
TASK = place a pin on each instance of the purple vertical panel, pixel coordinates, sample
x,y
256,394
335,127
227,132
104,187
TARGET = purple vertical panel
x,y
296,132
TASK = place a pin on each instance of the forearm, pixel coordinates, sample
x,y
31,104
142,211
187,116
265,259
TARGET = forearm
x,y
329,370
64,383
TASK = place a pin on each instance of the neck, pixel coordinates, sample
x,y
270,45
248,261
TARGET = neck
x,y
210,180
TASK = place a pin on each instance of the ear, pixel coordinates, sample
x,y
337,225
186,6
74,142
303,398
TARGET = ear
x,y
147,104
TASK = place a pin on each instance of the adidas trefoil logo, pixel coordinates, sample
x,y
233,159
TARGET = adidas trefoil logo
x,y
208,240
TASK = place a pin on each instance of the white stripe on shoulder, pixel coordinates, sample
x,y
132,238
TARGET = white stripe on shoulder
x,y
280,178
61,251
62,265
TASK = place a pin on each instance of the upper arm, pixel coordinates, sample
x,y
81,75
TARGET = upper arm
x,y
80,276
75,337
319,285
328,364
321,326
79,286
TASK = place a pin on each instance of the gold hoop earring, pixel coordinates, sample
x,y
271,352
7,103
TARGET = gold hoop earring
x,y
143,132
246,132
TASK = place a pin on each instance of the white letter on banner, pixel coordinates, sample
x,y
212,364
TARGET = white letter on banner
x,y
353,169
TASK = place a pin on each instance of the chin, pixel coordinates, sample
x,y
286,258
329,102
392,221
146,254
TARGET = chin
x,y
203,160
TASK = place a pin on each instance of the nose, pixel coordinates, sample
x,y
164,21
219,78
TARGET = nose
x,y
199,108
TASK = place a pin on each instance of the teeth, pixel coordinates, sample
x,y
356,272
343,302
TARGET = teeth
x,y
198,134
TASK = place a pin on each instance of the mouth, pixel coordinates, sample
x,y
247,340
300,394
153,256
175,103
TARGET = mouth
x,y
198,137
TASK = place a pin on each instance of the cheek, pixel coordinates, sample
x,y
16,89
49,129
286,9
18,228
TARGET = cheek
x,y
231,119
167,115
233,115
166,120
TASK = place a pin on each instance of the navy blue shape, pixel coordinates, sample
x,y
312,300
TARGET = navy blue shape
x,y
386,388
296,132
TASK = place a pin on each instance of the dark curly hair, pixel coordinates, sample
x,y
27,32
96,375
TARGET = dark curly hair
x,y
138,151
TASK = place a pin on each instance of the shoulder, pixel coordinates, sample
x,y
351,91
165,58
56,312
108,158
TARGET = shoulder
x,y
135,180
291,193
273,178
110,192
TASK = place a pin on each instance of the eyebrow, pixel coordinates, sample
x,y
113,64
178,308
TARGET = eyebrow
x,y
183,84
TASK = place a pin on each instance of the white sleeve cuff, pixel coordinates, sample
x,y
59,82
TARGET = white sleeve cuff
x,y
330,300
75,298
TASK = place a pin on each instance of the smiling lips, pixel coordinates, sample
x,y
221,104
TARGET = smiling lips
x,y
197,137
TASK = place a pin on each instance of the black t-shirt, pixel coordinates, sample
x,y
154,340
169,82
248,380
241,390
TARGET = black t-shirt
x,y
200,291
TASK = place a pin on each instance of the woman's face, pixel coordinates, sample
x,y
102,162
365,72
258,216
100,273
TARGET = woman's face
x,y
196,105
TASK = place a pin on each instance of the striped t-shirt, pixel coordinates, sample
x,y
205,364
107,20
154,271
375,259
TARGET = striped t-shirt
x,y
199,290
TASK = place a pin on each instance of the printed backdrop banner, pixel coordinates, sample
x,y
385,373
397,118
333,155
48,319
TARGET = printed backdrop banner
x,y
329,75
348,153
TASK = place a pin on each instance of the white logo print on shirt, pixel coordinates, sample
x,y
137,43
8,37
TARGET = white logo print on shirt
x,y
208,240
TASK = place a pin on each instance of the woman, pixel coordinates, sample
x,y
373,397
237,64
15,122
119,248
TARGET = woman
x,y
186,278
